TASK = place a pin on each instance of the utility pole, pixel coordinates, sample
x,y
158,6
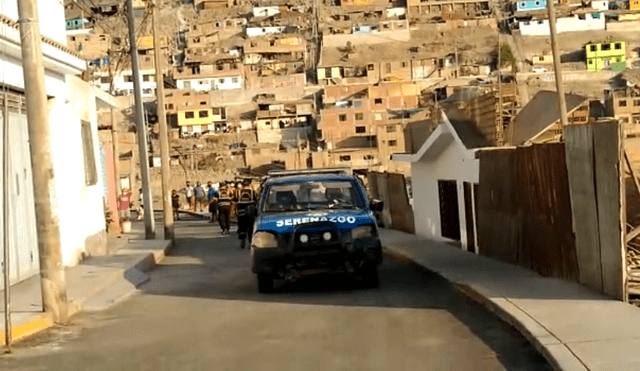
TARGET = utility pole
x,y
562,104
316,42
165,166
53,283
149,222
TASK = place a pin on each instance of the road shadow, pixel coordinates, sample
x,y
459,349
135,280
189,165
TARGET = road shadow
x,y
214,267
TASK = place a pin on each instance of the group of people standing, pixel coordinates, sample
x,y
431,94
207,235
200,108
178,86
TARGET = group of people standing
x,y
230,198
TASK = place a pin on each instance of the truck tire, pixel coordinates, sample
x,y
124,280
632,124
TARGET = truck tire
x,y
370,276
265,283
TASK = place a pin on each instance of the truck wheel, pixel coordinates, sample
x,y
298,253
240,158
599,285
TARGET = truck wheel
x,y
265,283
370,276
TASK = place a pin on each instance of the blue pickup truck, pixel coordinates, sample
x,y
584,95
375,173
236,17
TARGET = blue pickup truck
x,y
311,223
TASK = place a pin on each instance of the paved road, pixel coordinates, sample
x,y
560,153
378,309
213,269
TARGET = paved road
x,y
201,311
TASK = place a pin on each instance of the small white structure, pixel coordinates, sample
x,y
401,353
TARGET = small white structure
x,y
600,4
123,82
261,31
211,83
265,11
444,174
396,12
578,22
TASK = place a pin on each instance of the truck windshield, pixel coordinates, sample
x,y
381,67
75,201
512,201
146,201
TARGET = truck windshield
x,y
312,195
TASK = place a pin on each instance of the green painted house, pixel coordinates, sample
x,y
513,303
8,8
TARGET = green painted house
x,y
606,56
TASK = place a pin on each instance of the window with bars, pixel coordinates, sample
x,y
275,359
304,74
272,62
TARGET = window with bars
x,y
17,102
90,170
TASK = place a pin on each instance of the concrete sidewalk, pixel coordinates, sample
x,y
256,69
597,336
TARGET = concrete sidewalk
x,y
94,284
573,327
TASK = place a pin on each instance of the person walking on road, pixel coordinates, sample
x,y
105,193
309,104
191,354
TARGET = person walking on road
x,y
246,212
224,207
200,196
175,202
124,204
188,192
212,193
235,189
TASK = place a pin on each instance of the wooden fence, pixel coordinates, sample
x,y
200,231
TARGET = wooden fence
x,y
524,209
392,190
558,208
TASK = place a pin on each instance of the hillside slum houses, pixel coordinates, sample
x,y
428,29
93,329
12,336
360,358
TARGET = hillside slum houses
x,y
351,82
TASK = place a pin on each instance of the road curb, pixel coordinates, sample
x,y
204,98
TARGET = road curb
x,y
552,349
126,285
32,326
131,279
195,213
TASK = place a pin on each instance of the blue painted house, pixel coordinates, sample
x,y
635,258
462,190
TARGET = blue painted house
x,y
529,5
77,23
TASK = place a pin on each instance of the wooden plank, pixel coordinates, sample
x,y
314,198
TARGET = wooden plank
x,y
632,171
623,214
579,156
633,234
468,217
606,146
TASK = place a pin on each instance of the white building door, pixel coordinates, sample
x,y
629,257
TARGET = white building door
x,y
23,243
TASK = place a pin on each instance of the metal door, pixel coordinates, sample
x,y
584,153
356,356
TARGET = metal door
x,y
23,243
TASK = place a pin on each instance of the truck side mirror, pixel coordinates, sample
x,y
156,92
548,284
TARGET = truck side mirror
x,y
377,205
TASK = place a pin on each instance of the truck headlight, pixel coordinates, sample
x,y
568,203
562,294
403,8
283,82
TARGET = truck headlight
x,y
362,232
264,240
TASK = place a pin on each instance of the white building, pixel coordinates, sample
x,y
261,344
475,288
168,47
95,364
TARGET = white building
x,y
577,22
265,11
78,179
444,174
261,31
208,83
123,82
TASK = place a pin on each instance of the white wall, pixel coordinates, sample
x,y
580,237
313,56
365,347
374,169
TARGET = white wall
x,y
451,164
260,31
126,87
81,207
265,11
218,83
566,24
11,73
50,14
600,4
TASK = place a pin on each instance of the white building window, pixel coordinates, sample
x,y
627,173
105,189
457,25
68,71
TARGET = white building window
x,y
234,80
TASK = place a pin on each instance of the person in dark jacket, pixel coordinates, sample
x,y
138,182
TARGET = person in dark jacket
x,y
224,201
175,202
246,200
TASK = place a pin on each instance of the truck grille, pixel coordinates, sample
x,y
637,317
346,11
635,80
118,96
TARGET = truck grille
x,y
315,240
